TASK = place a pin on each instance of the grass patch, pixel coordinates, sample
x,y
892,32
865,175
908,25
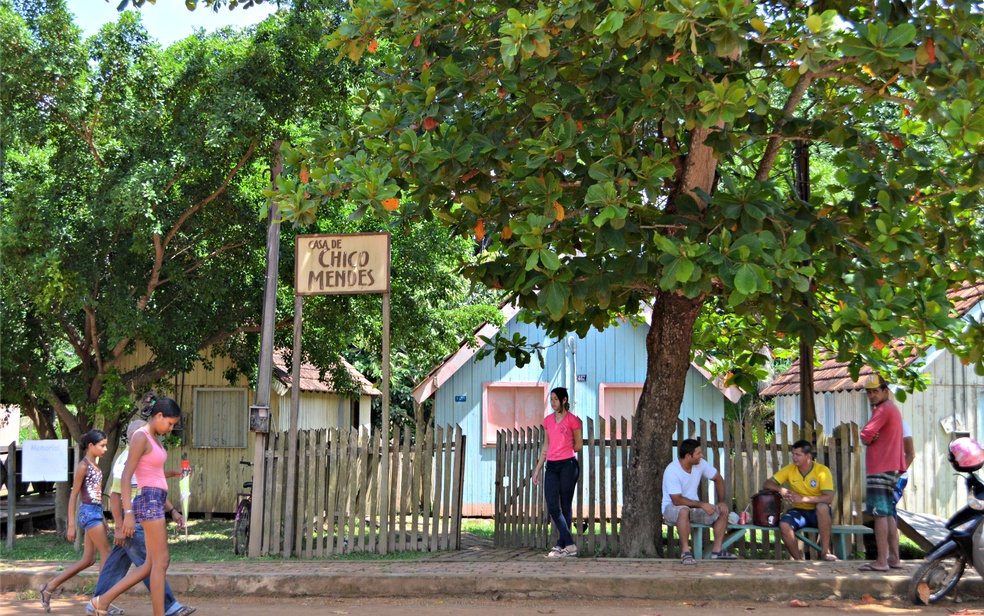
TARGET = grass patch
x,y
483,527
207,541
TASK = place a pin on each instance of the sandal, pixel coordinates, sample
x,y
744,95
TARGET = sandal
x,y
828,557
113,610
187,611
558,553
688,559
45,603
723,555
95,610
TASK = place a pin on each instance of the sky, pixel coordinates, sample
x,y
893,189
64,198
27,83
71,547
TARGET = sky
x,y
168,20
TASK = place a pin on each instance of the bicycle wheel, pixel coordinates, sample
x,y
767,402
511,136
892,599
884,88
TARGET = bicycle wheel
x,y
240,535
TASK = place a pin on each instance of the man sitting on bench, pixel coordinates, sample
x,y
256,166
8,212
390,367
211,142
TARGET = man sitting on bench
x,y
681,505
811,495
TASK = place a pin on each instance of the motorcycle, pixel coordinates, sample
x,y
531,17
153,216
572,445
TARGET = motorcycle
x,y
945,565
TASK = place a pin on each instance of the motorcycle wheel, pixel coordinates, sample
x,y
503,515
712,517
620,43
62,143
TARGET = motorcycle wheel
x,y
940,577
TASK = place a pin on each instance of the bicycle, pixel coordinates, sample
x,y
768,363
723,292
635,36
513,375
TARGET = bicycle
x,y
240,534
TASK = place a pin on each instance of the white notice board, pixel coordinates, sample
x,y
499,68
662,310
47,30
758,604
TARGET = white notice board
x,y
44,460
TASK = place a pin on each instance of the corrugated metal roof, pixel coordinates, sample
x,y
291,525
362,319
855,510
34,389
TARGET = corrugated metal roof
x,y
833,376
310,380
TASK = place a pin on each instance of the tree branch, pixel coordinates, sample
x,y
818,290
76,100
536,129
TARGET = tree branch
x,y
215,193
795,97
204,259
74,428
854,81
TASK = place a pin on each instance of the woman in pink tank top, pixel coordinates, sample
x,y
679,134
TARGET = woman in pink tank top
x,y
563,441
146,463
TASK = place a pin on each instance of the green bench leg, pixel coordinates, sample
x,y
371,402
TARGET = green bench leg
x,y
813,545
841,546
698,543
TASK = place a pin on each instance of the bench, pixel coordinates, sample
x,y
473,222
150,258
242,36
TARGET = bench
x,y
838,537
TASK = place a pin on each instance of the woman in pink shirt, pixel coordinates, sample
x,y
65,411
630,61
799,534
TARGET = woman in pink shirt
x,y
146,462
563,441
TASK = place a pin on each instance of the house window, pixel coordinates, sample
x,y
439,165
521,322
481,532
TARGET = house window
x,y
619,400
512,405
354,411
221,418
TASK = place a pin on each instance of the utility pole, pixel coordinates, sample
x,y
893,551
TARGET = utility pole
x,y
265,371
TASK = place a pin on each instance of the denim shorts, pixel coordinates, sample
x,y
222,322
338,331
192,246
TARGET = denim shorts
x,y
90,516
802,518
149,504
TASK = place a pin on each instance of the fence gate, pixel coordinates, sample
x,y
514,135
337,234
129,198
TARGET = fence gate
x,y
337,508
741,453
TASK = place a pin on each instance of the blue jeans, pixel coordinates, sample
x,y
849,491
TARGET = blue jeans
x,y
133,550
558,487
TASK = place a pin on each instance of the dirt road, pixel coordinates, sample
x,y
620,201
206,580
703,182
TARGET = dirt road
x,y
14,605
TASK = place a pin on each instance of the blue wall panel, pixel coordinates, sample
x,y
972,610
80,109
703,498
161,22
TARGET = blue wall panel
x,y
616,355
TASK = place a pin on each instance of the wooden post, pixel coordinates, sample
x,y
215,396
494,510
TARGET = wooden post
x,y
295,401
384,491
265,368
11,494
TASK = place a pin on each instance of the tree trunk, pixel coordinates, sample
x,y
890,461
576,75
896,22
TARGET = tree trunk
x,y
41,419
63,490
668,360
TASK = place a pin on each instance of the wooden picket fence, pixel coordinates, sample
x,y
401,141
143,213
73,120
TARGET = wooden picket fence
x,y
739,451
337,508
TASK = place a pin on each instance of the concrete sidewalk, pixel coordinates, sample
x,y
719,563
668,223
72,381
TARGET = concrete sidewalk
x,y
526,576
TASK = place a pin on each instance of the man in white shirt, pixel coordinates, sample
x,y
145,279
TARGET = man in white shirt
x,y
681,504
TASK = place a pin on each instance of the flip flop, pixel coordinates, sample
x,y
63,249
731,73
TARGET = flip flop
x,y
869,568
896,566
829,558
97,611
187,611
42,591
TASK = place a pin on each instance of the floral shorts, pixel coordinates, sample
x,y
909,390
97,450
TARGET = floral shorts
x,y
90,516
149,504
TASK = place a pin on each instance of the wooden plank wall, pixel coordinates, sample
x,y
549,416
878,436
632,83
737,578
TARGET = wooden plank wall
x,y
337,507
744,454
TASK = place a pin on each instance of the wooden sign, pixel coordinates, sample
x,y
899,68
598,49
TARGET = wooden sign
x,y
342,264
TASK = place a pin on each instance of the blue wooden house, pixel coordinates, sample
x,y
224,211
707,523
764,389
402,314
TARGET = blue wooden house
x,y
604,373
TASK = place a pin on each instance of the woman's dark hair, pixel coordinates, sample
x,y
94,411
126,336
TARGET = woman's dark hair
x,y
91,438
152,405
565,400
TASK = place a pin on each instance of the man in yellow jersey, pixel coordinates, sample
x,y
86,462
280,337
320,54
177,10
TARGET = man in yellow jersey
x,y
811,494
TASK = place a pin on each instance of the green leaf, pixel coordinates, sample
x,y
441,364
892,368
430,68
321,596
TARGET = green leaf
x,y
545,110
684,270
900,35
745,280
814,23
549,260
553,299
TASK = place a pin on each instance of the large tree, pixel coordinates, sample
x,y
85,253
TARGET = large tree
x,y
632,152
133,177
132,182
